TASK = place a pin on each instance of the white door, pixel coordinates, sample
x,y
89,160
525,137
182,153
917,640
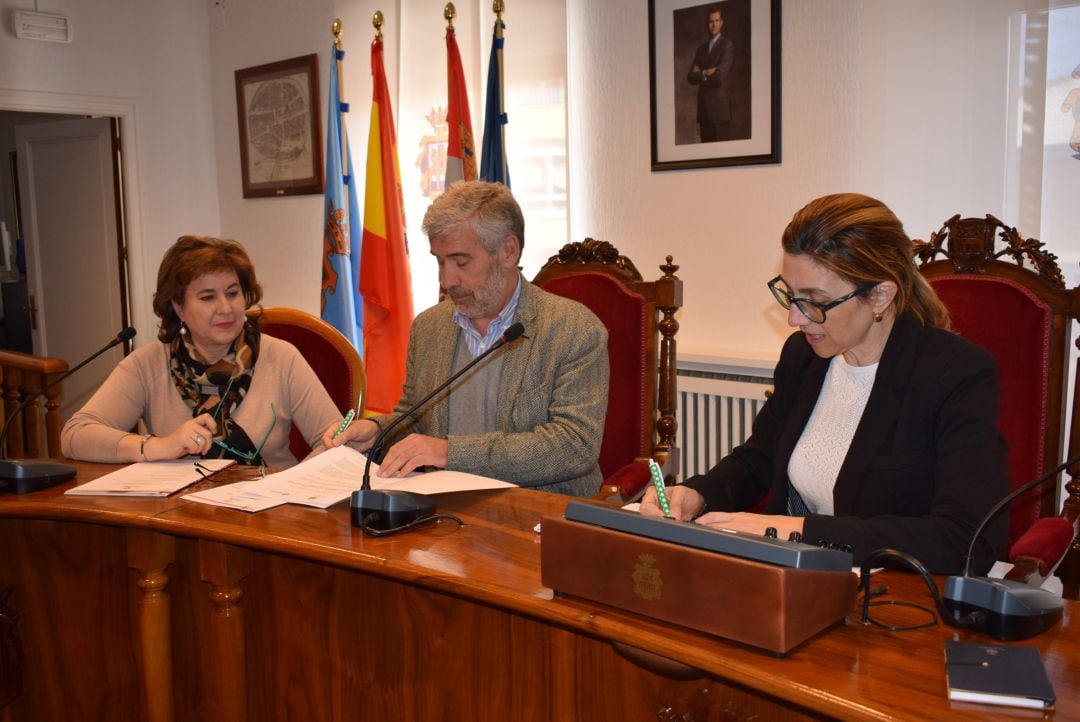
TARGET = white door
x,y
68,201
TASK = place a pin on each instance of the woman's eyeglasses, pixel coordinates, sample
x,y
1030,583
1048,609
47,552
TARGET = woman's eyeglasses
x,y
813,310
251,456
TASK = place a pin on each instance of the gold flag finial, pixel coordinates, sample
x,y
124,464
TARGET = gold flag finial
x,y
337,29
377,21
449,12
497,7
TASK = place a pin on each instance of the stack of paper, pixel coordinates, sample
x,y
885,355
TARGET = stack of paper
x,y
329,478
150,478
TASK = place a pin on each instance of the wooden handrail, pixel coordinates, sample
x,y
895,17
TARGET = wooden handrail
x,y
23,374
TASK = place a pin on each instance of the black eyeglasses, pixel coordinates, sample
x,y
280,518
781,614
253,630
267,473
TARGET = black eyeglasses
x,y
813,310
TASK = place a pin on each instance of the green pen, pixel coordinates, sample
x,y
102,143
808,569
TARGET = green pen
x,y
345,422
658,484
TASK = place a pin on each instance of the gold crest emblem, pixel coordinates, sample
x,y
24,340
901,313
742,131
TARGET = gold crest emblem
x,y
647,582
432,158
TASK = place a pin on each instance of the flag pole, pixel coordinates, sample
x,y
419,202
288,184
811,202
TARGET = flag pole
x,y
377,21
338,30
497,7
340,304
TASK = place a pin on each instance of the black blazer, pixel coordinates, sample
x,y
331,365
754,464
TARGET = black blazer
x,y
714,106
925,465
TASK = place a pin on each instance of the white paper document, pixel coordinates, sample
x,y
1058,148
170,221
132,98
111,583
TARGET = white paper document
x,y
150,478
235,496
331,477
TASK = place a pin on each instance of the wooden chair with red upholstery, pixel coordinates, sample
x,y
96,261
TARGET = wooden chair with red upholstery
x,y
334,360
1024,315
640,319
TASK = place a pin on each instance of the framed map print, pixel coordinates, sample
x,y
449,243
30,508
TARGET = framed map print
x,y
277,109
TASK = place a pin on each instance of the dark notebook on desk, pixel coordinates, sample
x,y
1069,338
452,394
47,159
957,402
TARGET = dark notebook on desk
x,y
997,674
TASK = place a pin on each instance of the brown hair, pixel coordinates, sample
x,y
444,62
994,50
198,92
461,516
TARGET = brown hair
x,y
188,259
861,240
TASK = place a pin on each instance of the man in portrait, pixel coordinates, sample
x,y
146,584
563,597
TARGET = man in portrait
x,y
712,65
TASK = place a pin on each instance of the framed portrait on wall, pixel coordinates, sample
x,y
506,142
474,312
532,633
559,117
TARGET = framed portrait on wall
x,y
277,108
714,73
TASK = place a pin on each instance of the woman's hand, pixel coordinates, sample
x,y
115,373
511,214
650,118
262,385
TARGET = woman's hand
x,y
193,437
360,435
753,523
683,501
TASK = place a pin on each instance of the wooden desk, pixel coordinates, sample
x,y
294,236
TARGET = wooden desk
x,y
165,609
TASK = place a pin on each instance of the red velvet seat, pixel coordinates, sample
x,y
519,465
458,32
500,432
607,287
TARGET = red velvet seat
x,y
331,356
1024,316
640,319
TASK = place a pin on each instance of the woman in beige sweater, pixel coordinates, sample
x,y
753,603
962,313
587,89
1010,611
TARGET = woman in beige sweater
x,y
213,386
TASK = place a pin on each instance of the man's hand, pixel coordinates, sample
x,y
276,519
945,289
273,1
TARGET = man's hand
x,y
412,452
709,72
360,435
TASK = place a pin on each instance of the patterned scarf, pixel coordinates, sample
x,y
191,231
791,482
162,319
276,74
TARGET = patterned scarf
x,y
218,389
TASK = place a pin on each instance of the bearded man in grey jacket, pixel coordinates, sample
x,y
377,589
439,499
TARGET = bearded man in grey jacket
x,y
532,413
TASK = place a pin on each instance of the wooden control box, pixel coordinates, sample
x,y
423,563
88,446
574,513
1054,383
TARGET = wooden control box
x,y
763,605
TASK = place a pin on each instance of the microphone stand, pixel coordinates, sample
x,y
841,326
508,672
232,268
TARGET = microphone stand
x,y
1003,608
20,476
386,509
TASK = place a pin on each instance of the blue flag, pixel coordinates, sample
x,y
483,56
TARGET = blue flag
x,y
493,165
340,303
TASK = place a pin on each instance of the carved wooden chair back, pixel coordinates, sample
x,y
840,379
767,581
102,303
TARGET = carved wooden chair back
x,y
640,319
1024,316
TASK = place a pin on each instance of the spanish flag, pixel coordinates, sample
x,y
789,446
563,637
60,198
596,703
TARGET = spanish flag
x,y
385,282
461,148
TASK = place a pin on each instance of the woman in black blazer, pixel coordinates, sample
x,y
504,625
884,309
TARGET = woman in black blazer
x,y
882,428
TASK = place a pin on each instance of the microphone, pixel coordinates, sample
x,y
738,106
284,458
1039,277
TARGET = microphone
x,y
383,510
1003,608
26,475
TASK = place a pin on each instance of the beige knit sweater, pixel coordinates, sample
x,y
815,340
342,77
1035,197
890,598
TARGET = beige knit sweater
x,y
141,388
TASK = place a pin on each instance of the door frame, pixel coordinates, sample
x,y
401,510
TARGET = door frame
x,y
126,110
101,132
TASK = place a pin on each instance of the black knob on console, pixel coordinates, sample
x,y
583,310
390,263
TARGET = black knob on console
x,y
795,537
770,532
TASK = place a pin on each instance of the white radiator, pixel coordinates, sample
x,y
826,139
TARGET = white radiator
x,y
715,414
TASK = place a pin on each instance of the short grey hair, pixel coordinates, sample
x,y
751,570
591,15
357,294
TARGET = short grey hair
x,y
490,208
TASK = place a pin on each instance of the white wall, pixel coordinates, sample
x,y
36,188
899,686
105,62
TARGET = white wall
x,y
148,63
903,101
284,235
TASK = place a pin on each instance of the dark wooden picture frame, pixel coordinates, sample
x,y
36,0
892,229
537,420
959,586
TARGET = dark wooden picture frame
x,y
742,111
277,110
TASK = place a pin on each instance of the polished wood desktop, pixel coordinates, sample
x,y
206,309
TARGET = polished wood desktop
x,y
162,609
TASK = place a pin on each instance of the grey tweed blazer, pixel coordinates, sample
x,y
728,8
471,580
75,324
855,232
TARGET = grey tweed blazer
x,y
551,402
